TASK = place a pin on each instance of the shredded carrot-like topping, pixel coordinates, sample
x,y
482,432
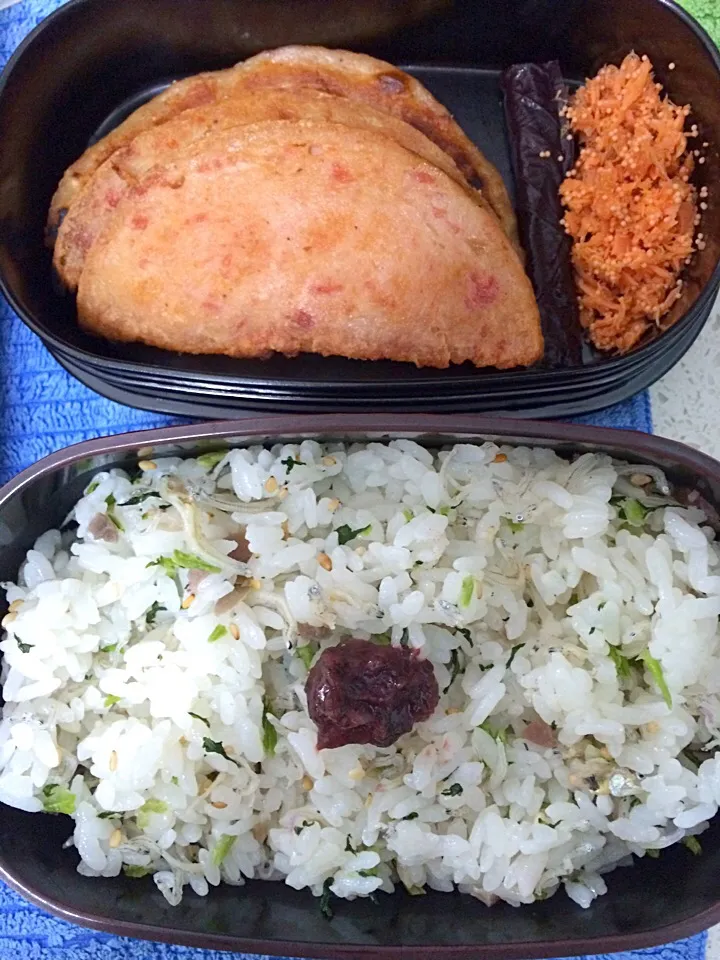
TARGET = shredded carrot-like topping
x,y
630,207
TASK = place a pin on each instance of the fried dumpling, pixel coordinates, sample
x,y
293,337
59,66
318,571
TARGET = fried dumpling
x,y
314,236
351,76
159,145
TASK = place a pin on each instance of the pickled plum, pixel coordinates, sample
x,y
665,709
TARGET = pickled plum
x,y
360,692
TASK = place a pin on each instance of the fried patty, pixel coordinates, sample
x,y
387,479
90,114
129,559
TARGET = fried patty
x,y
309,236
160,145
352,76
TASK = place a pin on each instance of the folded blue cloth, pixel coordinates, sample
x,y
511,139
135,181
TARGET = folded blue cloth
x,y
43,409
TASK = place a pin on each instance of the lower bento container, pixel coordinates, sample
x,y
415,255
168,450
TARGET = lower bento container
x,y
93,61
651,902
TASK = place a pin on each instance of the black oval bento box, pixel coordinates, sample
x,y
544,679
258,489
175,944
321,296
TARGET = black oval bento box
x,y
93,61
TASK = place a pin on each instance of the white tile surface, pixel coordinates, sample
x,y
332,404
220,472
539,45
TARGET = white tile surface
x,y
686,402
713,946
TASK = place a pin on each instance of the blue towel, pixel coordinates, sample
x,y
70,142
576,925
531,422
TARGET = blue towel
x,y
43,409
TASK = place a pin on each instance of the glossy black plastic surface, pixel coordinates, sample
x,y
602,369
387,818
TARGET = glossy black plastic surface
x,y
107,57
185,397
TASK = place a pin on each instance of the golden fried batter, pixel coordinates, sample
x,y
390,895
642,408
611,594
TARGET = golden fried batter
x,y
160,145
352,76
309,236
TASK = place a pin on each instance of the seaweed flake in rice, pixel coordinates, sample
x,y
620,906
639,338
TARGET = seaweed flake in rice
x,y
565,614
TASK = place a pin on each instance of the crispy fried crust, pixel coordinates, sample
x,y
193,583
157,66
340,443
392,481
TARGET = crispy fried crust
x,y
360,77
309,236
160,145
352,76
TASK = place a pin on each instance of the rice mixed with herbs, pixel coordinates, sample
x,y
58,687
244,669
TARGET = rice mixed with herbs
x,y
157,649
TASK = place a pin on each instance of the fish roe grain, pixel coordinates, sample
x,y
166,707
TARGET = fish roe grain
x,y
630,207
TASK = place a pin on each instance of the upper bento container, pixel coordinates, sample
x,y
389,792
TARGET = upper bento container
x,y
93,61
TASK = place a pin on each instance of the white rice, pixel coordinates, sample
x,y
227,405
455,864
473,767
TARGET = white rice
x,y
510,569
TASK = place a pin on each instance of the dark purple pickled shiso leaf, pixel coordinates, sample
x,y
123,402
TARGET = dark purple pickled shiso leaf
x,y
534,95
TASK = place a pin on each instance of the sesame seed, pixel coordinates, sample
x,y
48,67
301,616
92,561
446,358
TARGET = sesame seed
x,y
115,838
187,601
218,804
701,160
113,762
703,205
324,560
500,458
260,832
234,631
671,66
307,783
271,485
147,465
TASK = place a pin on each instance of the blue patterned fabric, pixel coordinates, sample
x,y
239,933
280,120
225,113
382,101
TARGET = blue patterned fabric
x,y
43,409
